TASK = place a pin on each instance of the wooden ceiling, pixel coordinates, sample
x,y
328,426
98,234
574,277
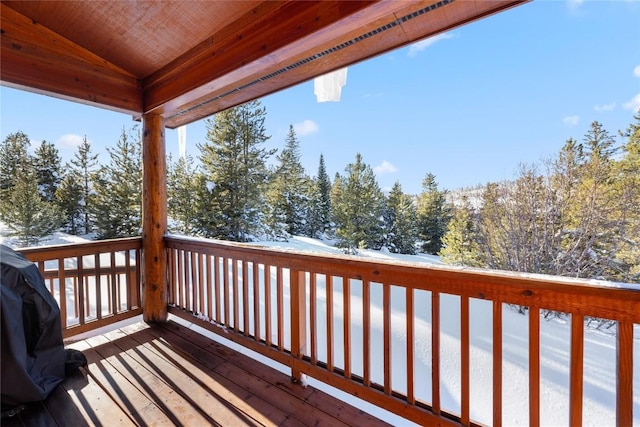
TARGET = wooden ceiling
x,y
187,60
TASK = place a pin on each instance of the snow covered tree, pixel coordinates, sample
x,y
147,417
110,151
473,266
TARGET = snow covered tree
x,y
433,213
47,164
400,222
234,165
358,207
182,191
287,193
84,165
118,190
25,212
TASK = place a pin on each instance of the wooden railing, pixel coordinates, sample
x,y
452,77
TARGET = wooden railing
x,y
95,284
343,315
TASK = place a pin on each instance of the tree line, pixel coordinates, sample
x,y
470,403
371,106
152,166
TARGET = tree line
x,y
573,215
233,192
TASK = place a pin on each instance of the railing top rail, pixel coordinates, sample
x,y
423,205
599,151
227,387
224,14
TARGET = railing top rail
x,y
580,296
43,253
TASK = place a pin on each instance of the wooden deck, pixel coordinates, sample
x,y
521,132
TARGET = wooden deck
x,y
170,375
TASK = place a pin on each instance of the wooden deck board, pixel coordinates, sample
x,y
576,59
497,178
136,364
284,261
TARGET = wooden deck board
x,y
170,375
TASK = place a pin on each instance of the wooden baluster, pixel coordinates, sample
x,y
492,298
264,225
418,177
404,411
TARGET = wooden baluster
x,y
138,287
534,366
576,369
216,284
201,295
366,332
128,284
497,364
624,374
410,337
236,308
194,267
245,298
435,352
464,360
256,301
62,286
98,287
114,296
346,316
280,307
298,301
80,292
386,314
209,286
225,289
329,290
313,313
181,284
267,304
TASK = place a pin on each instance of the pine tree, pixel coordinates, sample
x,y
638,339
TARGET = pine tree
x,y
319,216
118,190
460,242
358,208
13,156
30,217
433,215
590,232
182,192
627,193
287,195
47,163
400,222
69,199
84,166
234,162
324,197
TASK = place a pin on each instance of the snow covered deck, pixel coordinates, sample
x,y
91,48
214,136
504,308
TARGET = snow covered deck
x,y
170,375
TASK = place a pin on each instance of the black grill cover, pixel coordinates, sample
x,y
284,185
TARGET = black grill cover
x,y
33,355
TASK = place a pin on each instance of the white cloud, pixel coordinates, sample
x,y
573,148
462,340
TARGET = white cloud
x,y
634,104
385,167
306,127
571,120
70,140
605,107
636,71
574,4
418,47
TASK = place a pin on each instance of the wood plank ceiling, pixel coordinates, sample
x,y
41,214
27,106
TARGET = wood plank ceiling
x,y
187,60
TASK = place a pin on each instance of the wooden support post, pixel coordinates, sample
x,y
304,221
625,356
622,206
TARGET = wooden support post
x,y
298,289
154,220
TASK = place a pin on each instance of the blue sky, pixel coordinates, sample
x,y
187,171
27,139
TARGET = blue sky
x,y
468,106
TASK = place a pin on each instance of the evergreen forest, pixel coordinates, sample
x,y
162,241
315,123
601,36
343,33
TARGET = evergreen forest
x,y
576,214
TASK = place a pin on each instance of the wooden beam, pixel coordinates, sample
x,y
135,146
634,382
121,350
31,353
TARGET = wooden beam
x,y
370,31
154,220
261,39
39,60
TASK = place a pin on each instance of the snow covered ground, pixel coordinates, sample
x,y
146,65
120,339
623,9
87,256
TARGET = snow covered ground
x,y
599,353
